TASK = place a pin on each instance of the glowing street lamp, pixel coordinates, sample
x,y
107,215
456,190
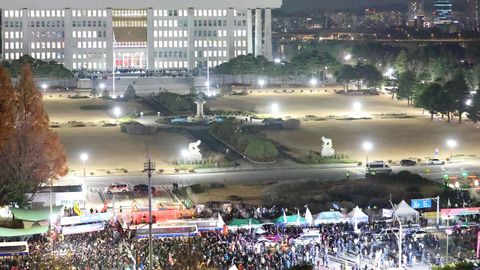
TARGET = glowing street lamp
x,y
102,86
274,108
117,112
313,82
184,154
367,146
451,144
261,82
468,102
44,87
347,57
277,61
84,158
357,107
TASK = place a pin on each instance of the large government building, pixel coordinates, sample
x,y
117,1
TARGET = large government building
x,y
103,35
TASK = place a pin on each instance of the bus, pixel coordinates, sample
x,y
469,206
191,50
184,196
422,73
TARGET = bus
x,y
167,230
8,249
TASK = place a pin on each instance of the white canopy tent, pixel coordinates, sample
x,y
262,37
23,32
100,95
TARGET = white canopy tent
x,y
357,216
405,212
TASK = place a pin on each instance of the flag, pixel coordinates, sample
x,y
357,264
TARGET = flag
x,y
448,203
220,221
284,216
308,216
298,217
336,206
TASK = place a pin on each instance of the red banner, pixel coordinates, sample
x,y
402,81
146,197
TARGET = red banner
x,y
459,211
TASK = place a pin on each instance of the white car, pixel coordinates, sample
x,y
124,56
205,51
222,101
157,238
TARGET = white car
x,y
378,166
307,238
435,161
117,188
419,234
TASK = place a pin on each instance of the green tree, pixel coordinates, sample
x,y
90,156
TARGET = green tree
x,y
129,94
473,112
406,86
401,62
261,150
458,92
372,76
428,98
346,74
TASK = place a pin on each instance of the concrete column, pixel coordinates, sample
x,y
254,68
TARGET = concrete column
x,y
110,39
230,37
150,41
249,32
258,32
26,32
268,34
68,41
191,39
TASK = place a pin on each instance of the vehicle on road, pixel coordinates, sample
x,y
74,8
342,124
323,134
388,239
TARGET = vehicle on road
x,y
419,234
390,232
435,161
117,188
378,166
306,238
408,162
142,188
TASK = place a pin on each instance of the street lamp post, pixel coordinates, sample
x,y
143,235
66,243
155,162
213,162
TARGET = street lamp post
x,y
367,146
117,112
451,144
84,158
44,87
399,238
149,167
357,106
313,82
261,82
448,232
184,154
274,108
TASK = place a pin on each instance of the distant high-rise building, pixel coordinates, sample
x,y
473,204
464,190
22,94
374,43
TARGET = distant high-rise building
x,y
443,12
472,13
415,9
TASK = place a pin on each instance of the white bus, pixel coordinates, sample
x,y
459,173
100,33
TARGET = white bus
x,y
8,249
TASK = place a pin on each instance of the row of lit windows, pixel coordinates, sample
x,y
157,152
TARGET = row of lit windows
x,y
210,23
11,24
171,54
89,24
170,23
239,33
170,44
131,44
170,13
129,13
209,12
47,45
13,45
211,53
212,43
89,13
170,33
141,23
240,52
38,24
209,33
47,13
13,13
89,65
240,43
91,44
12,56
211,64
89,55
13,34
89,34
47,55
171,64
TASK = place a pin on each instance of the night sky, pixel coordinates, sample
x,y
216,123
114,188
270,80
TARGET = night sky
x,y
305,5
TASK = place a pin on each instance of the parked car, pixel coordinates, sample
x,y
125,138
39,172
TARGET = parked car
x,y
142,188
117,188
378,166
435,161
419,234
408,162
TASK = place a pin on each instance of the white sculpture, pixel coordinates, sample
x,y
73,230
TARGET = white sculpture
x,y
194,151
327,147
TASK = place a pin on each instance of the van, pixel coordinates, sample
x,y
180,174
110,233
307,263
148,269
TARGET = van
x,y
378,167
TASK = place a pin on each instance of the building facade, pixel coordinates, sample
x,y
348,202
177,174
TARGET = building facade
x,y
136,35
443,12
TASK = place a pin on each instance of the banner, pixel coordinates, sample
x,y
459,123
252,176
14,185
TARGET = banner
x,y
421,203
86,219
459,211
95,227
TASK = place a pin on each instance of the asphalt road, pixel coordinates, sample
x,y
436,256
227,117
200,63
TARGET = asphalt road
x,y
279,173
